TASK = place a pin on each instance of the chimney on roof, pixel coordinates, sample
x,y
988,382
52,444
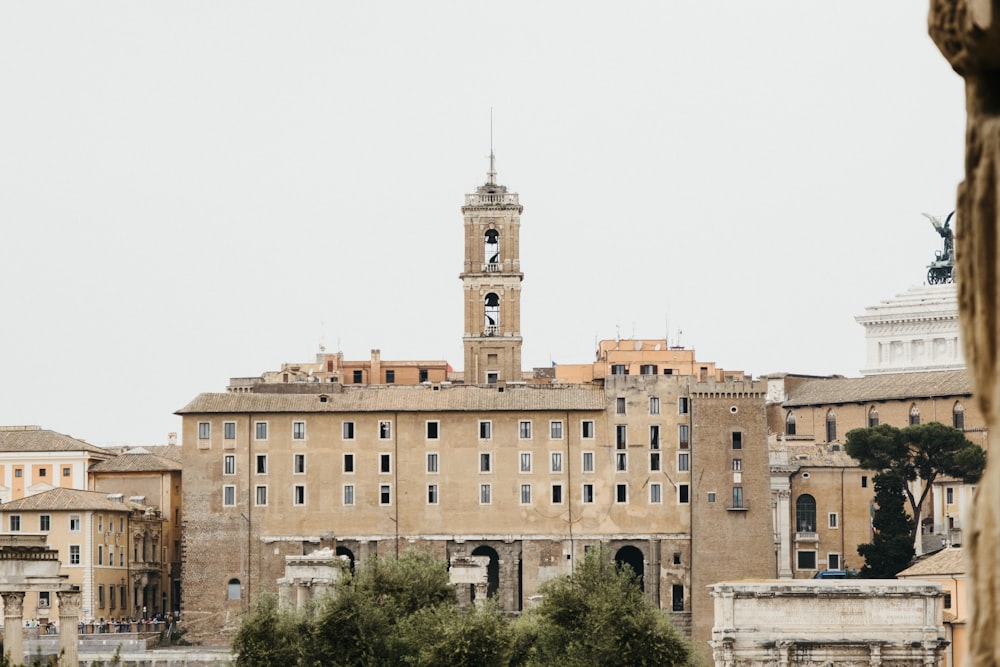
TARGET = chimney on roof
x,y
171,439
138,500
116,497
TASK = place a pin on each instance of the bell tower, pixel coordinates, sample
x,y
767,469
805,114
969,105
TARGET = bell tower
x,y
491,282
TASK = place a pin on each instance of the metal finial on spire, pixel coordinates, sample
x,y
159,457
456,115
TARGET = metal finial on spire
x,y
491,175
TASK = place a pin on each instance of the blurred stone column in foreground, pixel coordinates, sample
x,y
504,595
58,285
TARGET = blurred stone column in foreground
x,y
968,34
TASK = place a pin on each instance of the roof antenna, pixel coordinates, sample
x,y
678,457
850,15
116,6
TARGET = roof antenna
x,y
492,173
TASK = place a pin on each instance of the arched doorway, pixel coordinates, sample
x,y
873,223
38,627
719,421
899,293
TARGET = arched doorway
x,y
492,570
344,551
632,557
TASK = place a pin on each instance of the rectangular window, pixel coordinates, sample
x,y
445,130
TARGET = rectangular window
x,y
683,405
100,554
74,523
348,463
18,472
654,436
298,430
390,376
831,520
737,465
711,496
949,496
15,523
262,464
485,494
100,596
229,464
485,430
422,375
44,601
348,494
864,481
587,429
100,523
621,436
805,560
42,472
74,554
621,461
654,405
555,430
385,494
588,461
229,496
525,461
588,493
526,494
647,369
621,493
229,430
683,462
432,462
738,497
45,523
299,464
620,405
683,493
947,599
556,462
485,459
260,495
385,463
385,430
433,430
299,494
737,440
260,431
66,472
357,377
655,493
833,561
524,430
348,432
683,436
111,594
432,494
204,430
654,461
557,494
619,369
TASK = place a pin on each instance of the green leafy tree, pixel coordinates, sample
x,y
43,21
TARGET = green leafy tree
x,y
446,635
891,549
361,624
599,616
269,636
920,452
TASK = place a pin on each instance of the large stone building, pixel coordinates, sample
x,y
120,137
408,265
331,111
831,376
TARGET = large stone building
x,y
646,449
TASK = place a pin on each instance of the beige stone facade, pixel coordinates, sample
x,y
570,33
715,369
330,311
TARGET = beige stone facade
x,y
805,623
106,546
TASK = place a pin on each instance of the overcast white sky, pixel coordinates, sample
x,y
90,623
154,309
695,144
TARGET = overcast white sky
x,y
191,191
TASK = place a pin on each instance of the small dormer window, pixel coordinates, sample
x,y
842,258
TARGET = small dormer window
x,y
324,398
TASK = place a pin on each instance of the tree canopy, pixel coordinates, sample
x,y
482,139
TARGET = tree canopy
x,y
404,612
891,549
918,452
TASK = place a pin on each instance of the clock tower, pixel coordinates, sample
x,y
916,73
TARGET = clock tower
x,y
491,283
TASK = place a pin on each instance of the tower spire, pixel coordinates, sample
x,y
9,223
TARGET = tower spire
x,y
491,175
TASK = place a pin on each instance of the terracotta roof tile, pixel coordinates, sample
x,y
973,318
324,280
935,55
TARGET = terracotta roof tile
x,y
68,499
889,386
43,440
136,462
944,562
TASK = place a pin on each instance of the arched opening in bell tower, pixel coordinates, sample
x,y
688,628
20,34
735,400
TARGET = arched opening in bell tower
x,y
492,323
491,251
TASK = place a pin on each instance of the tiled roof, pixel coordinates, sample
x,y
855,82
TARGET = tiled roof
x,y
406,399
68,499
172,452
879,388
43,440
944,563
136,462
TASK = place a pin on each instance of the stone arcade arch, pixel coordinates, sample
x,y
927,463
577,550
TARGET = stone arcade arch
x,y
492,569
632,556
